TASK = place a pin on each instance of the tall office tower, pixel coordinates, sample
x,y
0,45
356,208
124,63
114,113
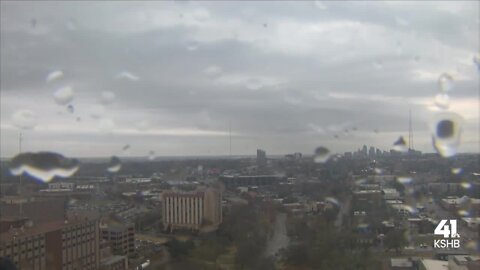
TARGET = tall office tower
x,y
191,210
371,152
261,158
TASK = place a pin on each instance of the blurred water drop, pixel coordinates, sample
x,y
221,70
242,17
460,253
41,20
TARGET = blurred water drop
x,y
378,64
320,5
466,185
400,145
321,154
106,125
336,136
416,58
445,82
128,76
151,155
456,170
33,22
332,200
24,119
213,71
114,165
192,46
405,180
254,84
142,125
64,95
463,213
442,101
79,119
476,60
43,166
70,108
54,75
107,97
97,111
125,148
71,25
446,130
265,25
376,131
378,171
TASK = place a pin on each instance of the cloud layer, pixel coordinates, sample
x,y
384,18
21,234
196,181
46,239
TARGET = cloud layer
x,y
283,76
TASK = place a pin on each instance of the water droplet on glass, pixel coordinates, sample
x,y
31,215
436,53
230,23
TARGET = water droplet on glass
x,y
54,75
476,60
254,84
265,25
33,22
378,64
446,129
24,119
400,145
114,165
64,95
79,119
71,25
43,166
336,136
376,131
442,101
70,108
213,71
321,154
320,5
125,148
97,111
106,125
445,82
416,58
456,170
151,155
332,201
142,125
466,185
404,180
107,97
192,46
128,76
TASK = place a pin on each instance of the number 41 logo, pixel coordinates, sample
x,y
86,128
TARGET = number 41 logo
x,y
448,231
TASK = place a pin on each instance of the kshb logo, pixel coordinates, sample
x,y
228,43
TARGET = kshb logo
x,y
448,232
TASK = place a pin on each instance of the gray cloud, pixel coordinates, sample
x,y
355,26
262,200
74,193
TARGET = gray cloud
x,y
288,76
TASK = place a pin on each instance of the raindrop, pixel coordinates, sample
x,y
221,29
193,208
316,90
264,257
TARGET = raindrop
x,y
445,129
107,97
151,155
142,125
125,148
213,71
476,60
64,95
97,111
320,5
354,128
265,25
332,201
404,180
24,119
33,22
54,75
114,165
466,185
378,64
376,131
254,84
79,119
321,154
456,170
71,25
192,46
442,101
400,145
336,136
128,76
445,82
70,108
43,165
416,58
106,125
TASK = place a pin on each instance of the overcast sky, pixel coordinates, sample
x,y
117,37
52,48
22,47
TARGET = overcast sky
x,y
283,76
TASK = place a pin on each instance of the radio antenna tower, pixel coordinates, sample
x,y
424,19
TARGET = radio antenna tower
x,y
410,130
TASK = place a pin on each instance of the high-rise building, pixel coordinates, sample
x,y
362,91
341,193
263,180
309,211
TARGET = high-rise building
x,y
191,210
261,158
371,152
69,244
120,236
364,151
